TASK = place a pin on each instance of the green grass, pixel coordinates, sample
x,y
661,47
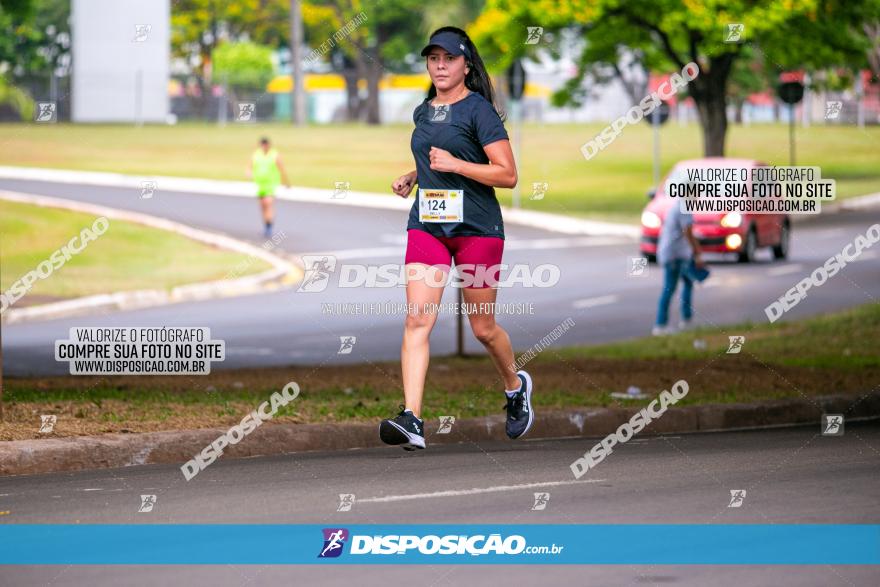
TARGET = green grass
x,y
843,340
127,256
612,184
832,354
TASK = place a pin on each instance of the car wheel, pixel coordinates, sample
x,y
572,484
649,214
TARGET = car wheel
x,y
749,247
780,251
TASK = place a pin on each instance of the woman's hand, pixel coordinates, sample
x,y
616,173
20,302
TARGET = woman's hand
x,y
403,185
443,161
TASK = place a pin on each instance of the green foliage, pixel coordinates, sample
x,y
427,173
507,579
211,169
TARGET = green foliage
x,y
750,74
243,65
790,35
198,26
17,98
35,40
805,35
20,8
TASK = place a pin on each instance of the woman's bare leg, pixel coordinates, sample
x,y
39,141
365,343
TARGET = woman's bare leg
x,y
415,351
493,337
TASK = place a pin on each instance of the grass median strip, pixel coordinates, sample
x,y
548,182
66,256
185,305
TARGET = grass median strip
x,y
126,257
826,355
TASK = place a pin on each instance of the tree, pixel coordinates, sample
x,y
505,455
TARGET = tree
x,y
385,38
809,34
200,26
749,76
35,36
246,66
243,68
384,42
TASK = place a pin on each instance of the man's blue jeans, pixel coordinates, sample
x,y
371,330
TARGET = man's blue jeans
x,y
672,272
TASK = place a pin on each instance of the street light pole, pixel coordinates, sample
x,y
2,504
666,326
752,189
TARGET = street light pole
x,y
655,123
516,84
298,94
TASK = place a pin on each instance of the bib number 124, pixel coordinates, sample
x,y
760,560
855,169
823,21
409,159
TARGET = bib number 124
x,y
441,205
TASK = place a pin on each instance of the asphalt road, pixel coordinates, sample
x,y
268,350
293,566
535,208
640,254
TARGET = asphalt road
x,y
791,476
594,289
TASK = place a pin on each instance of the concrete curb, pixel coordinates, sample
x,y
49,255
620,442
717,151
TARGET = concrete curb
x,y
282,270
29,457
858,203
243,189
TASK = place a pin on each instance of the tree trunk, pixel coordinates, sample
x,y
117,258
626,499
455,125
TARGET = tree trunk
x,y
872,31
374,74
352,97
354,94
713,119
708,90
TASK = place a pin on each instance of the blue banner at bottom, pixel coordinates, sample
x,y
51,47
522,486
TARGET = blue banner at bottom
x,y
746,544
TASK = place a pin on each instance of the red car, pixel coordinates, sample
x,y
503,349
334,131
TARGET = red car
x,y
732,232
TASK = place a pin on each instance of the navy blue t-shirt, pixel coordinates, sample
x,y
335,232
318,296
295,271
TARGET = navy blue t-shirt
x,y
462,128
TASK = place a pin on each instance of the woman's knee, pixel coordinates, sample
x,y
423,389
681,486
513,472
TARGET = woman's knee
x,y
419,322
484,330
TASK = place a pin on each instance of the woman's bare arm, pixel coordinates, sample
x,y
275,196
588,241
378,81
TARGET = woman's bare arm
x,y
499,172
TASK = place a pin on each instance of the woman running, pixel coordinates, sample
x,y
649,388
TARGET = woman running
x,y
462,153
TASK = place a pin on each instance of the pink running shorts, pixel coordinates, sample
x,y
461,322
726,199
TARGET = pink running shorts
x,y
481,255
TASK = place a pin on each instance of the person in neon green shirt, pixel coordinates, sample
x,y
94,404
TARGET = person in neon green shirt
x,y
267,171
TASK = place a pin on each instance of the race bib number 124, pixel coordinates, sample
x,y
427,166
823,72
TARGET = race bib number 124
x,y
441,205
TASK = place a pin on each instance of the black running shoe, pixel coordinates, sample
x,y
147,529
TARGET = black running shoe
x,y
405,430
519,408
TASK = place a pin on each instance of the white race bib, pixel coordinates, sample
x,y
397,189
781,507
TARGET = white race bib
x,y
441,205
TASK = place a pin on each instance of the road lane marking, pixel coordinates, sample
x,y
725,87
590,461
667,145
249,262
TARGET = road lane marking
x,y
785,270
729,282
475,491
593,302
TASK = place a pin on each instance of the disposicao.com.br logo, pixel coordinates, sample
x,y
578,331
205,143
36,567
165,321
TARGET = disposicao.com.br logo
x,y
334,540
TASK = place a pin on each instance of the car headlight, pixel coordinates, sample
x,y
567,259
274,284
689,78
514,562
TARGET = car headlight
x,y
732,220
733,241
650,220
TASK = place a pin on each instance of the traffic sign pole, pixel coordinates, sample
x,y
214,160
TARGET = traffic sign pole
x,y
516,84
791,92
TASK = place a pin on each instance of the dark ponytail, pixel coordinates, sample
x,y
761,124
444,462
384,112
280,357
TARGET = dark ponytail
x,y
477,80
